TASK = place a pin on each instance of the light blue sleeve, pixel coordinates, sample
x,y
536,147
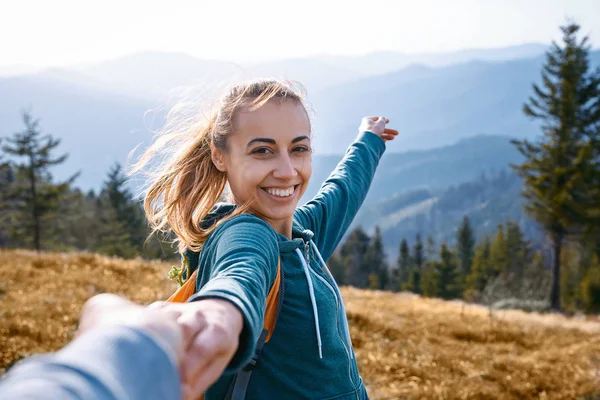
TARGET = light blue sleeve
x,y
331,211
113,363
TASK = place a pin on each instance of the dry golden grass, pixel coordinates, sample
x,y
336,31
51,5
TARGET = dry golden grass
x,y
41,295
410,347
407,347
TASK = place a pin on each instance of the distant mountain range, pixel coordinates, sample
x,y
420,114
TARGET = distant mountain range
x,y
429,191
383,62
487,200
433,106
100,111
432,169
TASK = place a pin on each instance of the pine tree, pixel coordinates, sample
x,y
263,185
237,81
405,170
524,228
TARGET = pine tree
x,y
353,252
416,270
518,250
570,278
414,281
128,212
561,173
429,275
465,246
403,264
418,255
34,197
83,225
482,269
448,286
537,278
590,288
430,279
114,238
337,268
430,248
375,260
123,226
499,251
6,179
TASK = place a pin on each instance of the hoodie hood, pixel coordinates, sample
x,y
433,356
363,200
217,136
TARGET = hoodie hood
x,y
300,236
190,259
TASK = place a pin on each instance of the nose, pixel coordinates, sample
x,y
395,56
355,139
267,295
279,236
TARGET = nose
x,y
285,168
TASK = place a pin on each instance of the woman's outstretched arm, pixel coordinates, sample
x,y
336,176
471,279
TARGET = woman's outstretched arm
x,y
331,211
239,265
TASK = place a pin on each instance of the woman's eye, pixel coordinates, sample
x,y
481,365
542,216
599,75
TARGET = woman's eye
x,y
262,151
301,149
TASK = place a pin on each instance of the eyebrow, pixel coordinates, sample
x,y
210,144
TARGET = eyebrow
x,y
272,141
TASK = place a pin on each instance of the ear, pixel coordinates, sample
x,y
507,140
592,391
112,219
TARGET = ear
x,y
218,158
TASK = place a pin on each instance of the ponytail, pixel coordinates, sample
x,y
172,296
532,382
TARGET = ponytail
x,y
186,188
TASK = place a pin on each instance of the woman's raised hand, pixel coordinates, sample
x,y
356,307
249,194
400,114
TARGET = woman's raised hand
x,y
377,126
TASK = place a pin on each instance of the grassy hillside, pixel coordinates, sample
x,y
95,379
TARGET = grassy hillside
x,y
41,296
417,348
407,347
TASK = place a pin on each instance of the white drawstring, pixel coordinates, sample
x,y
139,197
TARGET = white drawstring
x,y
324,265
312,300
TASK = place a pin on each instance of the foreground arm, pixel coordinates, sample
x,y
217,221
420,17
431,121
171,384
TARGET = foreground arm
x,y
111,363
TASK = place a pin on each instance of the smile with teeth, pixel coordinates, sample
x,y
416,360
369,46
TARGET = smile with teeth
x,y
280,192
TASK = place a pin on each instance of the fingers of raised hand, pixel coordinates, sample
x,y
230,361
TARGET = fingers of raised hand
x,y
373,124
376,119
389,134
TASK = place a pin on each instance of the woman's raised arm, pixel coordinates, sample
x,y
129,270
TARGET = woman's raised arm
x,y
331,211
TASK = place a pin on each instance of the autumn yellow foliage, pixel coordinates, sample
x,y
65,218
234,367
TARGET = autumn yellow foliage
x,y
407,347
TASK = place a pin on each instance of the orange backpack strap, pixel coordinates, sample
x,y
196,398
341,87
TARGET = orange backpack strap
x,y
186,291
273,303
273,299
239,384
237,390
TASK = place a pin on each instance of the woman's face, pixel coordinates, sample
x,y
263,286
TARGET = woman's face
x,y
268,159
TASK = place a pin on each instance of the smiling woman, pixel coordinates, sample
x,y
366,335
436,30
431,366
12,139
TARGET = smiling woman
x,y
271,171
259,142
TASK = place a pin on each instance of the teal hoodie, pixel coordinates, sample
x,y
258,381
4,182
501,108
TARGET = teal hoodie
x,y
310,354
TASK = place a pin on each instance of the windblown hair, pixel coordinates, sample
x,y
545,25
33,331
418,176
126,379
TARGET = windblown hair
x,y
184,184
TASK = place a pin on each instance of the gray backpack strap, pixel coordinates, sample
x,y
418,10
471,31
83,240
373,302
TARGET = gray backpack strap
x,y
239,385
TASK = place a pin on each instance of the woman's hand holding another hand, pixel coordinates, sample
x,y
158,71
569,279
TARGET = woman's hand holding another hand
x,y
212,328
203,336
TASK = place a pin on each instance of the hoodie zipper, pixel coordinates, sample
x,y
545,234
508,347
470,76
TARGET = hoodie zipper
x,y
337,314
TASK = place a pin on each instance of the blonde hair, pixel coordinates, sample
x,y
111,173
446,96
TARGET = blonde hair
x,y
186,185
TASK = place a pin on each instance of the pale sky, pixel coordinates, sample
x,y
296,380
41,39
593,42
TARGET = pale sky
x,y
65,32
